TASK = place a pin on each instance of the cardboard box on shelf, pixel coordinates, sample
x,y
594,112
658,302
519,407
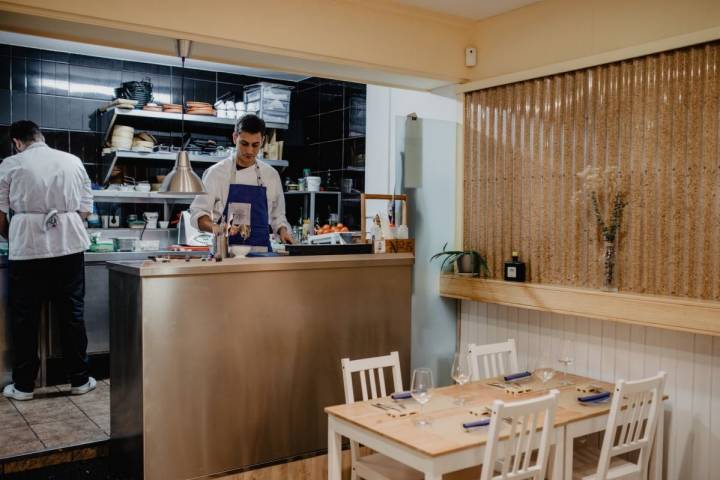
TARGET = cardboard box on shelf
x,y
406,245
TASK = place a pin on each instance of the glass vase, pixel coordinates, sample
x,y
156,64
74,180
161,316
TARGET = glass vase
x,y
609,267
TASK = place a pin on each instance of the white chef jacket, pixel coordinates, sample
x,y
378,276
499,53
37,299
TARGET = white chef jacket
x,y
32,184
217,185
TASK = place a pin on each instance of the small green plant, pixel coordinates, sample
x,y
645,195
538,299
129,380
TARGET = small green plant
x,y
467,261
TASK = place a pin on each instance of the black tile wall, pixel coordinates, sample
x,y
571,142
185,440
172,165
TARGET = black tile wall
x,y
62,92
332,122
5,71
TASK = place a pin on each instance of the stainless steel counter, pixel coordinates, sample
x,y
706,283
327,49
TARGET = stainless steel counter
x,y
220,366
96,310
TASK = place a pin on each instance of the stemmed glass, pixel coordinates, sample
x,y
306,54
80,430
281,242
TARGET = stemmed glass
x,y
566,359
421,390
460,373
544,370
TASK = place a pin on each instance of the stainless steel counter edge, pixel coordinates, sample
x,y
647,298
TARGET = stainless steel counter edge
x,y
120,256
315,262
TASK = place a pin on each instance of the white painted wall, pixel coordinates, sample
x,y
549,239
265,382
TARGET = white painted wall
x,y
432,205
384,105
611,351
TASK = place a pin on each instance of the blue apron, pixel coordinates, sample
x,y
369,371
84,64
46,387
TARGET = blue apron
x,y
249,202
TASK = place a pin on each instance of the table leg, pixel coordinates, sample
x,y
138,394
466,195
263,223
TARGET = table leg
x,y
334,452
569,445
656,458
557,455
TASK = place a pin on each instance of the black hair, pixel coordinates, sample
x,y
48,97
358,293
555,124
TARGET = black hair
x,y
25,131
250,123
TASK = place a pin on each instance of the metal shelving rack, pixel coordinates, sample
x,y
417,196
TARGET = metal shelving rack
x,y
143,119
310,199
149,120
110,159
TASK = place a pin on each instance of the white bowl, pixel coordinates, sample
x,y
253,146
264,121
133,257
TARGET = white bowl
x,y
239,251
142,187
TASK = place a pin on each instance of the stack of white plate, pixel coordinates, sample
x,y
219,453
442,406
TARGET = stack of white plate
x,y
122,137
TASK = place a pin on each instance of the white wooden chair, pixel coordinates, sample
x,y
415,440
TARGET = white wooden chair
x,y
374,466
632,423
521,455
495,359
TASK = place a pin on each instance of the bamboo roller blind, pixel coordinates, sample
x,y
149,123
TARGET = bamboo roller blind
x,y
656,118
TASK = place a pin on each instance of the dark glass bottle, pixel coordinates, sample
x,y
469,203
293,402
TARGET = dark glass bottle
x,y
514,270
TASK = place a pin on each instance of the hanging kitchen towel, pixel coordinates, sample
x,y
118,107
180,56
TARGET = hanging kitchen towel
x,y
412,152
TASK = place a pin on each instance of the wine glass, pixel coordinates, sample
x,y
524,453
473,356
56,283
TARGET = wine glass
x,y
460,373
544,369
421,390
566,359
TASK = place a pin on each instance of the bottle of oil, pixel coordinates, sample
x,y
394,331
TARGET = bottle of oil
x,y
514,270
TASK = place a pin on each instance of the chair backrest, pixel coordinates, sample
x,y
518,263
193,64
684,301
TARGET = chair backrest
x,y
493,359
636,408
526,426
366,368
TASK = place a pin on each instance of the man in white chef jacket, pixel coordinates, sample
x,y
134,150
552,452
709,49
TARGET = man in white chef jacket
x,y
44,196
247,193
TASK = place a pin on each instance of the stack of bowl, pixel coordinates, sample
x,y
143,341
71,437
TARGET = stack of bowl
x,y
122,137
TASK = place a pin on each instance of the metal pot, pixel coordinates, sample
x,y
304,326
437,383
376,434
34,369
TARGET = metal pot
x,y
466,263
220,245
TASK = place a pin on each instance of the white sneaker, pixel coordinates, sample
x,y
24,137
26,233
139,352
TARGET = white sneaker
x,y
83,389
11,392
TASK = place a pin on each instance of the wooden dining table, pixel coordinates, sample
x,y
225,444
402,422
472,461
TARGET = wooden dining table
x,y
445,446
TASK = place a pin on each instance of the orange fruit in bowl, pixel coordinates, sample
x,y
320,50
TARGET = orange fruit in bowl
x,y
344,229
339,225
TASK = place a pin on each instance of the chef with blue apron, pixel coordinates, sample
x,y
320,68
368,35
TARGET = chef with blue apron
x,y
245,193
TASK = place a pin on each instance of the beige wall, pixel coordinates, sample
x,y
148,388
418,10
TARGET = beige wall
x,y
375,41
557,31
368,34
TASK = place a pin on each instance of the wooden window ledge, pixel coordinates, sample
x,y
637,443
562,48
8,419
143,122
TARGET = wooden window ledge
x,y
674,313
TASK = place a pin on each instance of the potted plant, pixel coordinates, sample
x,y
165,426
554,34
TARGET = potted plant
x,y
467,262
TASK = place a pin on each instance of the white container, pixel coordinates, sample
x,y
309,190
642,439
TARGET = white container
x,y
142,187
151,218
239,251
313,184
402,232
164,224
147,245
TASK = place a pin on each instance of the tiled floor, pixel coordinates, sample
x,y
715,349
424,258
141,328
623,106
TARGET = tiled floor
x,y
54,419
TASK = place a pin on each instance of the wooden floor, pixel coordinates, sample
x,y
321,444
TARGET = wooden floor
x,y
315,468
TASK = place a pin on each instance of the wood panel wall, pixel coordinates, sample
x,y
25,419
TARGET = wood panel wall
x,y
656,118
611,351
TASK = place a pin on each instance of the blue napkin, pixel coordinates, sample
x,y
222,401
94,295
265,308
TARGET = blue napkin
x,y
262,254
594,397
400,395
477,423
516,376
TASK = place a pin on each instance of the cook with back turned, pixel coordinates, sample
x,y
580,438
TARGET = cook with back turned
x,y
44,196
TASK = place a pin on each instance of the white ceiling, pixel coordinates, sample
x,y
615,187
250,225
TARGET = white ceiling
x,y
469,9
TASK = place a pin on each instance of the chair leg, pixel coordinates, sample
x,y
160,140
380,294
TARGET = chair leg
x,y
656,454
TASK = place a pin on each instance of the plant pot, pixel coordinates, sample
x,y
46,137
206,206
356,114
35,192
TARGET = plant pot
x,y
467,265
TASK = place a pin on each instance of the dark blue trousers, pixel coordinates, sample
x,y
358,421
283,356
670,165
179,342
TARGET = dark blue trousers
x,y
32,282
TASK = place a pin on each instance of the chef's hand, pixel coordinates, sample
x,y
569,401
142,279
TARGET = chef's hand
x,y
285,236
218,229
